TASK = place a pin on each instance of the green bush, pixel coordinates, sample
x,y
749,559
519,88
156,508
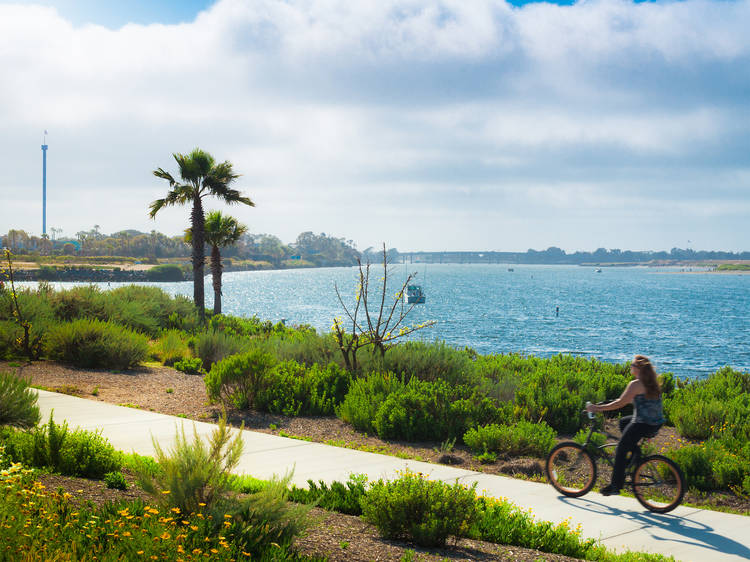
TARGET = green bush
x,y
243,327
171,347
115,480
414,508
79,302
212,347
292,389
435,411
10,332
262,521
17,402
597,439
238,379
338,496
523,438
364,398
96,344
302,345
714,464
719,404
425,361
502,522
417,410
189,366
192,474
73,453
554,390
165,272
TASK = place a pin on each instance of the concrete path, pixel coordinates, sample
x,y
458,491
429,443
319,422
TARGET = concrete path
x,y
621,523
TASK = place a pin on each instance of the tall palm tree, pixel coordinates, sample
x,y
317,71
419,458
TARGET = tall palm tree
x,y
220,231
201,176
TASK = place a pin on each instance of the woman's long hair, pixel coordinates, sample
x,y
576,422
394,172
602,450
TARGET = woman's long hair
x,y
647,376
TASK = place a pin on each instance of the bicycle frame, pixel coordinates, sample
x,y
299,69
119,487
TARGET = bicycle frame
x,y
599,452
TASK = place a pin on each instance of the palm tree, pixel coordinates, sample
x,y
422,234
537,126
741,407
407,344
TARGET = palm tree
x,y
201,176
220,231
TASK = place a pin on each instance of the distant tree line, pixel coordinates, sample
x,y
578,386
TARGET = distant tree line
x,y
554,255
309,249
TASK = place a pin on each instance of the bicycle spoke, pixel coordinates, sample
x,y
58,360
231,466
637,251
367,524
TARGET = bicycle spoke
x,y
571,469
658,484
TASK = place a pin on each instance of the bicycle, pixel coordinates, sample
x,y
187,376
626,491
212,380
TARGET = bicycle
x,y
657,482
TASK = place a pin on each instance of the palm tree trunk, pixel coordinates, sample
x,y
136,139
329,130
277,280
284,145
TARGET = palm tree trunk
x,y
197,221
216,268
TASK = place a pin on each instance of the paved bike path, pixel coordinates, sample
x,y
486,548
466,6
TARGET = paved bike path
x,y
621,523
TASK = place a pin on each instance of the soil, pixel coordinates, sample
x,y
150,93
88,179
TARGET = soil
x,y
165,390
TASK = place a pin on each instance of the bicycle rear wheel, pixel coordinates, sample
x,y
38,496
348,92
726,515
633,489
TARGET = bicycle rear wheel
x,y
658,484
571,469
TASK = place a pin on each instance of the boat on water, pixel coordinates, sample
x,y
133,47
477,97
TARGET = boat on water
x,y
511,269
598,270
414,294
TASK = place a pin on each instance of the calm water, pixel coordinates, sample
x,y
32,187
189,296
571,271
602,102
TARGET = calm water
x,y
690,324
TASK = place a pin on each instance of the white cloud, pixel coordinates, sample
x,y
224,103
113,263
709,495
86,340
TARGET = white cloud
x,y
421,122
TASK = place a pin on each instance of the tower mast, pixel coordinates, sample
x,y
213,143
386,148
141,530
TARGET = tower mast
x,y
44,184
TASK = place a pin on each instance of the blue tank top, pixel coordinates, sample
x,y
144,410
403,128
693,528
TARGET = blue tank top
x,y
648,411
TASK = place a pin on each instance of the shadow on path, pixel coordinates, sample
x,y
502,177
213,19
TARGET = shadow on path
x,y
694,533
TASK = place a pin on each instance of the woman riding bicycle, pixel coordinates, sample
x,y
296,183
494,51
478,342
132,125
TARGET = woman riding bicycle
x,y
645,395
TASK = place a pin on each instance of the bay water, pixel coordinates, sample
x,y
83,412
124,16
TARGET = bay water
x,y
689,322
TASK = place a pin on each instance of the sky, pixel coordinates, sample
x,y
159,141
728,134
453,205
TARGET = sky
x,y
427,125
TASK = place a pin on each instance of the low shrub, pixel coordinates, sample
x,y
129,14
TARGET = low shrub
x,y
238,379
165,272
192,474
433,411
714,464
243,327
302,345
417,509
417,410
502,522
96,344
555,389
425,361
212,347
292,389
364,398
73,453
597,439
115,480
523,438
190,366
702,408
171,347
17,402
340,497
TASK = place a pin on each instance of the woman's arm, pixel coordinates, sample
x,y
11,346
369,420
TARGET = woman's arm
x,y
625,398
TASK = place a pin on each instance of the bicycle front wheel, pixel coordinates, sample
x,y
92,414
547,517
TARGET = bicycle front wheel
x,y
571,469
658,484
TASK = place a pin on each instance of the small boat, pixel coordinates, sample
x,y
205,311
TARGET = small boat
x,y
598,270
511,269
414,294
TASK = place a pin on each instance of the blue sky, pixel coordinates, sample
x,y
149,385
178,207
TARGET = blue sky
x,y
427,124
115,14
